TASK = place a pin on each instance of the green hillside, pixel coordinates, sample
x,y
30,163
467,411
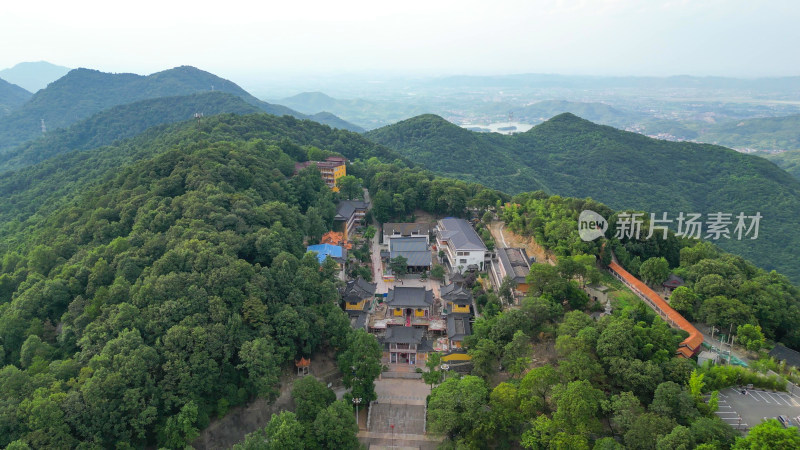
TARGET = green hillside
x,y
769,133
573,157
11,96
83,92
120,122
49,183
148,286
788,161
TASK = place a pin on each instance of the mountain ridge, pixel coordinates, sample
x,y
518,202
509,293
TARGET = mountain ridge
x,y
120,122
12,96
573,157
83,92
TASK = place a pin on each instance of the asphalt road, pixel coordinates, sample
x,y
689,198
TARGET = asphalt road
x,y
744,411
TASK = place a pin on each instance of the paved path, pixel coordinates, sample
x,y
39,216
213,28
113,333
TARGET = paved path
x,y
375,253
527,242
377,265
502,236
400,403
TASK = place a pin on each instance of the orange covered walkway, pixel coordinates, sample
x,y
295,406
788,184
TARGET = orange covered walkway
x,y
691,345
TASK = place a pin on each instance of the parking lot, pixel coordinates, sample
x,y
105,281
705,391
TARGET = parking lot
x,y
744,411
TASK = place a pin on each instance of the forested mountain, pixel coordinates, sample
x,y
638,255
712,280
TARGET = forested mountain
x,y
33,76
573,157
83,92
788,161
148,286
50,183
768,133
11,96
120,122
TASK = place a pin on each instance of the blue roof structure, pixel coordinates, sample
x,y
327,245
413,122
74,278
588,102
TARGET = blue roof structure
x,y
325,250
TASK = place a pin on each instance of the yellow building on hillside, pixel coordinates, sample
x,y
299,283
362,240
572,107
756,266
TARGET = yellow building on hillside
x,y
333,168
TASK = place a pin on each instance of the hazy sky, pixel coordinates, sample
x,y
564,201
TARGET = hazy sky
x,y
234,38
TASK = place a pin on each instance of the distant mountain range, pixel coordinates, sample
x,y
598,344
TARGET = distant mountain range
x,y
120,122
570,156
593,111
33,75
371,114
368,114
84,92
11,97
535,80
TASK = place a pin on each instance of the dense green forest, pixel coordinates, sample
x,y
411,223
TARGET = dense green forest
x,y
11,96
84,92
611,383
148,286
48,184
613,378
788,161
572,157
163,296
120,122
721,289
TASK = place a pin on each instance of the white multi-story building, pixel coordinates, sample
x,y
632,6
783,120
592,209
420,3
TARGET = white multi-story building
x,y
463,248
